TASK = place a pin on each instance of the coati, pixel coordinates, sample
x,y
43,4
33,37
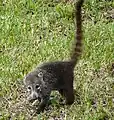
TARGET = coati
x,y
57,75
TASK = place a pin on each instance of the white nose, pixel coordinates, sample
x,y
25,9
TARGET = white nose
x,y
33,96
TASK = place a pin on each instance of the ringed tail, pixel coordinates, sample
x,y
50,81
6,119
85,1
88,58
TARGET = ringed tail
x,y
77,46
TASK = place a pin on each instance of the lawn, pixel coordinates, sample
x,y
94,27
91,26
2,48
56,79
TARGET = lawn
x,y
36,31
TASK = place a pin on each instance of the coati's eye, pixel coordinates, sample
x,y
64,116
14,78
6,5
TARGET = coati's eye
x,y
37,87
29,88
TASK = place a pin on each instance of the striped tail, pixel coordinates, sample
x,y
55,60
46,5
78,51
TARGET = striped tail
x,y
77,46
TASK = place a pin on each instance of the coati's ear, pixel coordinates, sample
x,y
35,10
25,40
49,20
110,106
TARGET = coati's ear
x,y
40,74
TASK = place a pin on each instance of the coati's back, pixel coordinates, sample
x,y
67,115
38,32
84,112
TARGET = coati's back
x,y
58,66
59,69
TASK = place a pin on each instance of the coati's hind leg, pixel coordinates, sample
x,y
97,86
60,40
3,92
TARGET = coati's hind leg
x,y
69,90
69,95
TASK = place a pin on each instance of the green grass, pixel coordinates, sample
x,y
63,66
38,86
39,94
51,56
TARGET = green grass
x,y
35,31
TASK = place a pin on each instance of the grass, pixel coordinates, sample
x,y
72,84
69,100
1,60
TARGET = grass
x,y
32,32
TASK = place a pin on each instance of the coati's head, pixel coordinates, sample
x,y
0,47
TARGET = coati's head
x,y
34,84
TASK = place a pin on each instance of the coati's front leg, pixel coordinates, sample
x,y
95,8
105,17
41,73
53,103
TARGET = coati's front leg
x,y
43,104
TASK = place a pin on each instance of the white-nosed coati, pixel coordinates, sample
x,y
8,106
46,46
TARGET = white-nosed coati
x,y
57,75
